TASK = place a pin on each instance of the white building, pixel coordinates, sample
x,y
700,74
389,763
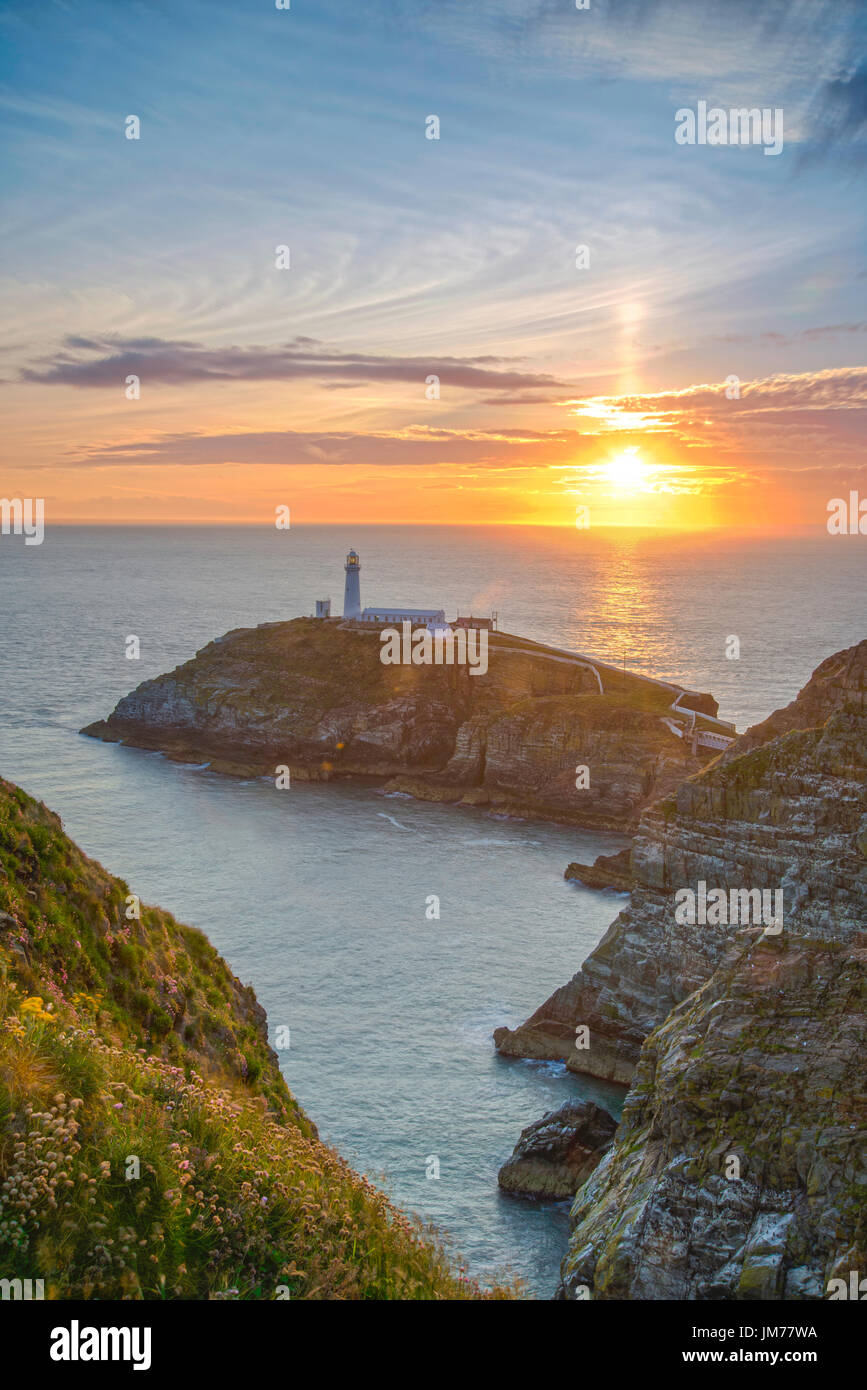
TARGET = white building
x,y
352,589
419,617
433,618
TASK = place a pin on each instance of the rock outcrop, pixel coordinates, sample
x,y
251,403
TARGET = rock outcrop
x,y
554,1156
606,871
788,814
314,696
740,1167
739,1170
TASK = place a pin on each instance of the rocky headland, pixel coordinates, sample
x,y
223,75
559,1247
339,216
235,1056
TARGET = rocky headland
x,y
739,1168
784,813
314,696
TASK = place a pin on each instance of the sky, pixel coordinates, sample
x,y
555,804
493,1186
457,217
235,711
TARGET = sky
x,y
430,345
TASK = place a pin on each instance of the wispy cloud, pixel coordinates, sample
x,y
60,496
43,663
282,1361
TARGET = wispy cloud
x,y
836,388
101,362
831,330
453,258
795,415
839,118
483,449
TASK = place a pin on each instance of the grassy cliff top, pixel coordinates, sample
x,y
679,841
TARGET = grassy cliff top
x,y
149,1147
312,667
70,934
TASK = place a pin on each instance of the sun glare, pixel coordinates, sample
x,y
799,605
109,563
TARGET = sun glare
x,y
627,469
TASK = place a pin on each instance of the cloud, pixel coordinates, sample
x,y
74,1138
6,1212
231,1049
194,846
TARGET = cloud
x,y
804,55
831,330
684,39
483,449
839,118
506,399
834,388
798,416
790,418
106,361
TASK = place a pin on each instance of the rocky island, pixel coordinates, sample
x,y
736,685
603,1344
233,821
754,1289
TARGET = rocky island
x,y
739,1168
313,695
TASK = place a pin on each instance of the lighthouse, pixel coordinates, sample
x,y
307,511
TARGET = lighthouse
x,y
352,592
433,618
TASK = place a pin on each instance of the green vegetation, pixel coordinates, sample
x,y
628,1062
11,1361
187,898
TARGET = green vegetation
x,y
151,981
149,1147
263,662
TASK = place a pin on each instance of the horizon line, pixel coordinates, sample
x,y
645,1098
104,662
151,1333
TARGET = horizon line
x,y
802,528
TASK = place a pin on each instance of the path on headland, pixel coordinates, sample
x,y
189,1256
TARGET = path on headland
x,y
589,663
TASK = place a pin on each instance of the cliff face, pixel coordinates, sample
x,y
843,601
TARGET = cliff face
x,y
739,1169
316,697
834,685
788,813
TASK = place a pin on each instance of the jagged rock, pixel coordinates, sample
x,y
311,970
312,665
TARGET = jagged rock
x,y
786,814
606,871
554,1156
764,1066
739,1170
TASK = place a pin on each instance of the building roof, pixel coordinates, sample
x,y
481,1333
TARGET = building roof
x,y
403,612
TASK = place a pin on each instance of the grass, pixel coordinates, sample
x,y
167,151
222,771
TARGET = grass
x,y
149,1147
150,981
123,1177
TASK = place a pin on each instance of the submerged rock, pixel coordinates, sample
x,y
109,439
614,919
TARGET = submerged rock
x,y
554,1156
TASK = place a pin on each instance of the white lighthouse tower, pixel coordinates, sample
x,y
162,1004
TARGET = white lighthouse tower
x,y
352,592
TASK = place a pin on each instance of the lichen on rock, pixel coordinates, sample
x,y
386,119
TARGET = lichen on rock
x,y
739,1170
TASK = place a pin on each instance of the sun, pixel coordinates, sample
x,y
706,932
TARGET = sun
x,y
627,469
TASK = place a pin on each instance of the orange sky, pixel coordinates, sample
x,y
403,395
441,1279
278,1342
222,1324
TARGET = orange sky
x,y
687,459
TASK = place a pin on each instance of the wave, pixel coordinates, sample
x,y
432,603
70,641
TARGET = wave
x,y
394,822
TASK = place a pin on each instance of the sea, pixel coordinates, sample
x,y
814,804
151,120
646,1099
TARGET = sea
x,y
318,896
